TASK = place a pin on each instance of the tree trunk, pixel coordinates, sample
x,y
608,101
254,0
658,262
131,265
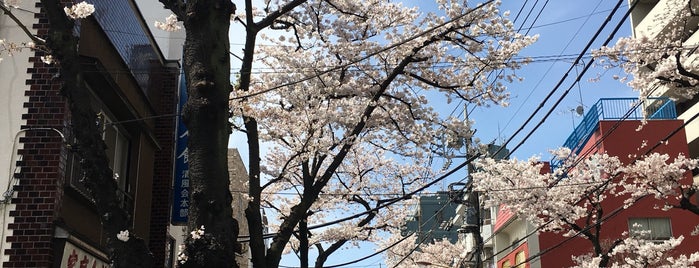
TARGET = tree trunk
x,y
206,114
303,242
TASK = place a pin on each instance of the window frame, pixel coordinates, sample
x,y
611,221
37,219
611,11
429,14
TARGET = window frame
x,y
667,222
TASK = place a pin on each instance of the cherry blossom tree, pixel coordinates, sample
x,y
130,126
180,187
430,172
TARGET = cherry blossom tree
x,y
347,108
60,47
659,56
439,253
570,199
661,178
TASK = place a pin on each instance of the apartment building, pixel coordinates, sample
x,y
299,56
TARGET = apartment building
x,y
431,218
645,22
49,219
238,187
608,127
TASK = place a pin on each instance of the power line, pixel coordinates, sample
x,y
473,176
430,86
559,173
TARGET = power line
x,y
391,202
369,55
560,82
577,80
579,160
531,92
583,52
649,150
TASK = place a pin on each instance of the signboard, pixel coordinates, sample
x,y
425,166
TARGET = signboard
x,y
75,257
180,189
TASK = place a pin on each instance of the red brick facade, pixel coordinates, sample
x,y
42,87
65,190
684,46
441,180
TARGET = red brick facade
x,y
41,196
39,186
164,126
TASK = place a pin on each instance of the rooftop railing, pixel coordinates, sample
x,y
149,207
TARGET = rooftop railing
x,y
618,109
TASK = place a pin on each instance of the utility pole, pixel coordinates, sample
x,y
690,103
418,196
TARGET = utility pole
x,y
473,198
474,203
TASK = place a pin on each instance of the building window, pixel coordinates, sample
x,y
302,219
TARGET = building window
x,y
520,258
650,228
485,214
118,151
488,254
506,264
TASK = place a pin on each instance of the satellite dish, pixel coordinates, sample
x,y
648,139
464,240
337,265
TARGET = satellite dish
x,y
580,110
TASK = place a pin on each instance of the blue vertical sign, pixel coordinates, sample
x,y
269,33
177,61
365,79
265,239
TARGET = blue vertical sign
x,y
180,189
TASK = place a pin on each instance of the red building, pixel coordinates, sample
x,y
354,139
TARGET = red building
x,y
607,128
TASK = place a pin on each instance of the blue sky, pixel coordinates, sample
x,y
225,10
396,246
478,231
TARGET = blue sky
x,y
564,27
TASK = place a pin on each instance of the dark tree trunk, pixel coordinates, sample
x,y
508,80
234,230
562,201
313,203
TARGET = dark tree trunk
x,y
89,144
206,114
303,242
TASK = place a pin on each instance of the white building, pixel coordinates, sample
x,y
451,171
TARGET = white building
x,y
645,21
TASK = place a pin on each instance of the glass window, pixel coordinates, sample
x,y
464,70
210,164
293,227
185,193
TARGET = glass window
x,y
485,214
117,150
118,145
506,264
520,258
650,228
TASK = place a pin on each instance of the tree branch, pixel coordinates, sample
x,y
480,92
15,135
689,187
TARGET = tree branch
x,y
682,70
272,17
177,7
34,38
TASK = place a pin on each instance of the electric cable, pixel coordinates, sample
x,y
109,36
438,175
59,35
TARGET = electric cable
x,y
560,82
369,55
420,227
649,150
395,200
614,10
565,93
577,79
531,92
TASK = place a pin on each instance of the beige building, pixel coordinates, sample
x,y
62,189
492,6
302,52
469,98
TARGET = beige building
x,y
238,187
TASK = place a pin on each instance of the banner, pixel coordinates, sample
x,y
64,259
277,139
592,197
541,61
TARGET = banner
x,y
180,189
74,257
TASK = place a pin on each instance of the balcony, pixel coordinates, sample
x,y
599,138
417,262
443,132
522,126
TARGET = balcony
x,y
618,109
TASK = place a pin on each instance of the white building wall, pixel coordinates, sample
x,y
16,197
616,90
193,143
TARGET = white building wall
x,y
651,17
13,74
170,43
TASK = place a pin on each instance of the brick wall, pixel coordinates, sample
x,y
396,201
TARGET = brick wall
x,y
40,187
165,81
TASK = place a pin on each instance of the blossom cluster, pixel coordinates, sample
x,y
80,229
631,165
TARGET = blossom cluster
x,y
197,233
654,57
11,48
170,24
79,11
573,193
347,103
637,252
182,254
123,235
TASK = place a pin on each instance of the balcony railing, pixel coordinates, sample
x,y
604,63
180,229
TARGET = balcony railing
x,y
618,109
